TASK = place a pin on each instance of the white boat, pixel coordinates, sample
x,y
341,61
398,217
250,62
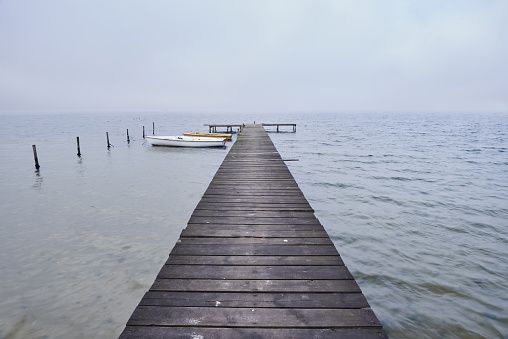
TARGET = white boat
x,y
184,141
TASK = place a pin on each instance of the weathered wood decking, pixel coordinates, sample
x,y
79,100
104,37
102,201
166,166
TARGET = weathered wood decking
x,y
254,262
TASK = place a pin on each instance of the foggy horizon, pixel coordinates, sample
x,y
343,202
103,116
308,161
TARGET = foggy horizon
x,y
260,57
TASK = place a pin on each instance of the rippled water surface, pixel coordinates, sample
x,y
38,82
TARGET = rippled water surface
x,y
415,203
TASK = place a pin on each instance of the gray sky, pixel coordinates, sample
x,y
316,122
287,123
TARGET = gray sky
x,y
254,56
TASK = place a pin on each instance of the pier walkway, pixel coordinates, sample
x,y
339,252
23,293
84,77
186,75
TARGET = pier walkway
x,y
254,262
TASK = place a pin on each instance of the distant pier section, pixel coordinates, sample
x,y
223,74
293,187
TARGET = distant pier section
x,y
230,128
212,128
278,125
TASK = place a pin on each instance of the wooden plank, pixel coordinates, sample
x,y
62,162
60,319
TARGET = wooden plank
x,y
243,260
251,240
260,184
255,199
251,220
234,233
232,204
240,175
253,207
231,189
252,317
292,250
253,272
247,228
255,214
250,299
273,193
271,174
265,227
257,181
273,285
266,190
138,332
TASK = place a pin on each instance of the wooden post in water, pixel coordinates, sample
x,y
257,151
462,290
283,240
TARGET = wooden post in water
x,y
79,150
35,157
143,132
107,137
128,140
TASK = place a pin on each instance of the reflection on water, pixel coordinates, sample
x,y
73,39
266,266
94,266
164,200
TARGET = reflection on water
x,y
38,180
416,205
24,328
81,168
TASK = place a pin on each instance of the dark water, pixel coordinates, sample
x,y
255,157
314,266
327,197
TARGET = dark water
x,y
415,203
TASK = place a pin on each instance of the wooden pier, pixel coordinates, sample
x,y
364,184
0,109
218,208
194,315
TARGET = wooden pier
x,y
229,127
254,262
278,125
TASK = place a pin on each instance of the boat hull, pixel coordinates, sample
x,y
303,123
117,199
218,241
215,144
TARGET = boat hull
x,y
177,141
209,135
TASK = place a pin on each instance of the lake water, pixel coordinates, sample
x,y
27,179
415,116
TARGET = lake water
x,y
417,205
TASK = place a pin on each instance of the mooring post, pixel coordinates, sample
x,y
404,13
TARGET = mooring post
x,y
35,157
128,140
143,132
107,137
79,150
